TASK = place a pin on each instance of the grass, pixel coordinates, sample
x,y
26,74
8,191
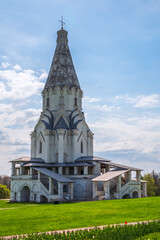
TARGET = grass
x,y
19,218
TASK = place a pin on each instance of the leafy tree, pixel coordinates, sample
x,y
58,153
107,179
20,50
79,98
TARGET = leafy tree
x,y
4,192
5,180
151,187
156,178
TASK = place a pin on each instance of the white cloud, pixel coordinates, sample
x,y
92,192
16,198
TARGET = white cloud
x,y
17,67
6,108
114,134
91,100
92,104
141,101
148,101
5,65
20,85
43,76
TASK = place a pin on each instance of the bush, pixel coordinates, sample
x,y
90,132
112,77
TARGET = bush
x,y
4,192
126,232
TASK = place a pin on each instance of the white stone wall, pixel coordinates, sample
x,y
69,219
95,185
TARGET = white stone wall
x,y
62,144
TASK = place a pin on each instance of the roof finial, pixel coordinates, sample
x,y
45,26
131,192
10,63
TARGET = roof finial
x,y
61,21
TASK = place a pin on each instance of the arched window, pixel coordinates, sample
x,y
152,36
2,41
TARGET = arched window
x,y
81,147
40,147
61,100
47,101
75,101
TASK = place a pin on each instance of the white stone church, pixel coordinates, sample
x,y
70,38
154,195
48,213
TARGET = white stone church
x,y
62,166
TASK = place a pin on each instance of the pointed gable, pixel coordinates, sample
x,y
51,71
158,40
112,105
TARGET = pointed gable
x,y
62,72
61,124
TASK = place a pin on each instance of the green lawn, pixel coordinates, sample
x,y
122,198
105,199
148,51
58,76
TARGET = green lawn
x,y
18,218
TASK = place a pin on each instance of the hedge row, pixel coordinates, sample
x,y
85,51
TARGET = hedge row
x,y
127,232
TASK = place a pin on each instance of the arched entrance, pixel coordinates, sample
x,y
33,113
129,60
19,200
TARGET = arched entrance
x,y
126,196
135,194
43,199
25,194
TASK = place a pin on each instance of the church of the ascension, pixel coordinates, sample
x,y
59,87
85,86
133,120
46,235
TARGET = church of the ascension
x,y
62,166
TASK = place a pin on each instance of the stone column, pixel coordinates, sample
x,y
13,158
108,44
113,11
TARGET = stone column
x,y
86,170
31,171
47,138
39,175
107,190
75,133
21,170
138,176
60,191
59,170
88,143
50,185
71,190
91,139
60,145
119,186
145,189
97,168
75,170
33,144
107,168
13,169
129,176
94,190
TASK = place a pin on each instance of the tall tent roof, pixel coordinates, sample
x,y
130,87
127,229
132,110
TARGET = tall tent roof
x,y
62,72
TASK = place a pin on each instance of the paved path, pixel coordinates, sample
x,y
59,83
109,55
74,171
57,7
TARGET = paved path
x,y
75,229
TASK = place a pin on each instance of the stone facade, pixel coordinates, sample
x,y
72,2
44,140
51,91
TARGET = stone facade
x,y
62,166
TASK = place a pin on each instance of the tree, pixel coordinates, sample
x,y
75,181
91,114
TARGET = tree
x,y
156,178
5,180
151,187
4,192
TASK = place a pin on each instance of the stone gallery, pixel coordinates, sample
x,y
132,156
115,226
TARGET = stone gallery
x,y
62,166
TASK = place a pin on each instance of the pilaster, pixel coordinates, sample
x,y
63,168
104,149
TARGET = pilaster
x,y
138,176
71,190
119,186
88,143
94,190
85,170
107,190
60,145
13,168
74,147
60,191
75,170
33,144
48,144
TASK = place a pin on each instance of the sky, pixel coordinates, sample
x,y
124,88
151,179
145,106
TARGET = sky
x,y
116,53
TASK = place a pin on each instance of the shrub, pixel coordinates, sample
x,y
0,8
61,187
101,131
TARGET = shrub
x,y
127,232
4,192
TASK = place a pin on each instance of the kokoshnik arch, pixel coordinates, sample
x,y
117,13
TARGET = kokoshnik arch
x,y
62,166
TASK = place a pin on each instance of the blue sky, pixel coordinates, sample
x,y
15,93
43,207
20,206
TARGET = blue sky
x,y
116,52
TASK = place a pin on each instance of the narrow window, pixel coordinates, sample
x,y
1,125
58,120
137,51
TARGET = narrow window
x,y
15,196
35,197
48,102
75,101
81,147
40,147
